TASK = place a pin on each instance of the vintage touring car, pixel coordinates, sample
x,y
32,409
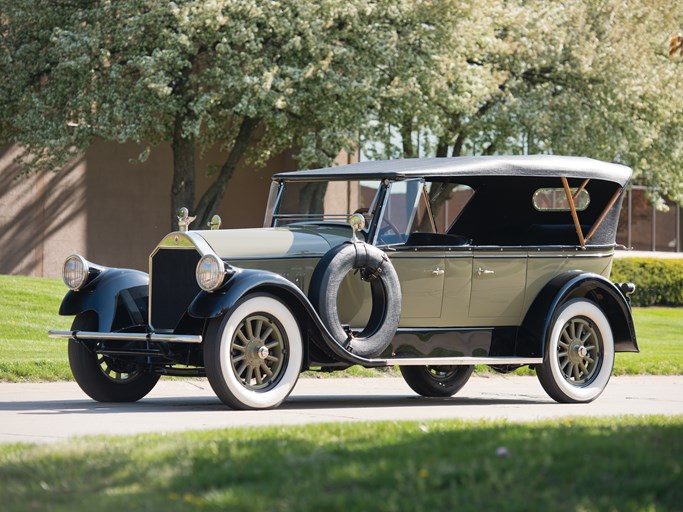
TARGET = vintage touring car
x,y
433,265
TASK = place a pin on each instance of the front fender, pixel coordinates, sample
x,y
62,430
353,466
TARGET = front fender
x,y
217,303
102,294
539,319
211,305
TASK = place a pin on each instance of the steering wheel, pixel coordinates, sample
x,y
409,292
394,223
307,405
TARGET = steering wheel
x,y
387,228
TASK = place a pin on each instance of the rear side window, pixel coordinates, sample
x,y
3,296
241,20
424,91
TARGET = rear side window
x,y
555,199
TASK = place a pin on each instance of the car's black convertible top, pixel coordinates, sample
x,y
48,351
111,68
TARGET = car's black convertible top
x,y
531,165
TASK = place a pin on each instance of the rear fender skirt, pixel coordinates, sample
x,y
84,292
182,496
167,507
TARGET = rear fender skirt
x,y
102,295
539,319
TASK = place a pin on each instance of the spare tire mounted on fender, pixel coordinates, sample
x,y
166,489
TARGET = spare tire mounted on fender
x,y
376,269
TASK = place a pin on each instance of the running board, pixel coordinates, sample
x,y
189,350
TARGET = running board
x,y
455,361
126,336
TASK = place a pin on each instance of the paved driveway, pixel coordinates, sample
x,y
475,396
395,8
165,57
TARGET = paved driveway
x,y
57,411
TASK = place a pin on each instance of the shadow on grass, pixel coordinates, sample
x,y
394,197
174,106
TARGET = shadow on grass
x,y
632,464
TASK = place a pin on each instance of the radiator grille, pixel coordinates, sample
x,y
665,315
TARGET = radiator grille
x,y
173,286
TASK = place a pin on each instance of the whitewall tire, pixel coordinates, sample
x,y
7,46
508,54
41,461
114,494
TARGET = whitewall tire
x,y
579,355
253,354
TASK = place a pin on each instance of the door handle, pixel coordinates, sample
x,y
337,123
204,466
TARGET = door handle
x,y
481,271
438,271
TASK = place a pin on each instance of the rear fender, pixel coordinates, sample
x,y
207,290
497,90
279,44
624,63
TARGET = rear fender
x,y
569,285
117,296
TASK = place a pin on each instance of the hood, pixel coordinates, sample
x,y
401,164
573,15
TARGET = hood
x,y
265,243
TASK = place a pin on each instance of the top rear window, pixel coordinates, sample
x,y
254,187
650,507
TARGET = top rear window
x,y
555,199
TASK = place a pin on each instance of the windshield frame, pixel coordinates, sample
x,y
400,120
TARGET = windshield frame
x,y
275,201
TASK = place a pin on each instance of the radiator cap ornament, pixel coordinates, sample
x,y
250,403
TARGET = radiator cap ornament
x,y
184,219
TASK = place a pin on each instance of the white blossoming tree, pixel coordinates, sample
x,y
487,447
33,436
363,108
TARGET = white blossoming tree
x,y
252,77
439,77
583,77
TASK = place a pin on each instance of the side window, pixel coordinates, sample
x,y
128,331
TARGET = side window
x,y
447,201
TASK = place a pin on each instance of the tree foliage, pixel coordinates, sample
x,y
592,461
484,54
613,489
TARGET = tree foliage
x,y
582,77
429,77
251,77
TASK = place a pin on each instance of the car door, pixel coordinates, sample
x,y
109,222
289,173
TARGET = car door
x,y
498,285
422,275
421,267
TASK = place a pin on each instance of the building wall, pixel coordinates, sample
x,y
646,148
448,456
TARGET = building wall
x,y
644,229
108,207
114,210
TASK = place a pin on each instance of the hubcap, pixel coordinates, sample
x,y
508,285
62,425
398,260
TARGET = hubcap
x,y
113,373
257,351
578,351
442,373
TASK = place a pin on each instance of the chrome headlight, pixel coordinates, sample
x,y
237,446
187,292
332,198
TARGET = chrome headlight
x,y
210,272
76,271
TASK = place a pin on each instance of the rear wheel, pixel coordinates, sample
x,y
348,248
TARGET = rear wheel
x,y
579,353
436,381
253,354
101,377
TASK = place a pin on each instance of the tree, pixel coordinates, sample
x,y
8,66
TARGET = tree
x,y
586,77
251,77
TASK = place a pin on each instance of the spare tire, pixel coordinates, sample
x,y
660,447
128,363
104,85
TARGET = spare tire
x,y
375,268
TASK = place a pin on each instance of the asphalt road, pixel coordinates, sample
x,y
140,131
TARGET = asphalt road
x,y
52,412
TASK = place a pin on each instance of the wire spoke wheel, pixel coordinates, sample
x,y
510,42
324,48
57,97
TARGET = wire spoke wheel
x,y
578,351
257,351
254,353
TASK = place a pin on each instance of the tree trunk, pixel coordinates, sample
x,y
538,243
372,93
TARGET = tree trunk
x,y
312,197
459,143
182,191
409,149
214,194
442,147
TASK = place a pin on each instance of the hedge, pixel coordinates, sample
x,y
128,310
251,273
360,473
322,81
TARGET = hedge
x,y
659,282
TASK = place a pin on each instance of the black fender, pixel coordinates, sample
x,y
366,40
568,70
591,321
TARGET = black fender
x,y
209,305
539,319
103,295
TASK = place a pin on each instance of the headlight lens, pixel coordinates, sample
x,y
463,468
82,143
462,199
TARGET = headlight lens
x,y
210,272
75,272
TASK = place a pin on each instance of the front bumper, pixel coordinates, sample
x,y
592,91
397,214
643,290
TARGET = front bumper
x,y
126,336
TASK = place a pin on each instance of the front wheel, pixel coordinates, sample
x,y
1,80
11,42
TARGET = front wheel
x,y
436,381
253,354
579,354
103,378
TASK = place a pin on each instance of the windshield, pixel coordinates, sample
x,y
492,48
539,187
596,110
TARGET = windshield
x,y
320,201
407,211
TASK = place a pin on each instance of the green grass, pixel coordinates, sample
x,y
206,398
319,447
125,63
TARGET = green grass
x,y
28,308
660,338
627,464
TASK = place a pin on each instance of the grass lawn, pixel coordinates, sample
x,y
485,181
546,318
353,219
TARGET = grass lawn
x,y
28,308
660,337
624,463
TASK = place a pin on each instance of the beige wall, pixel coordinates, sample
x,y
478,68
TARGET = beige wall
x,y
42,217
108,208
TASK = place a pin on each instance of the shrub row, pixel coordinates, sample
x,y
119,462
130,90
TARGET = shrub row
x,y
659,282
